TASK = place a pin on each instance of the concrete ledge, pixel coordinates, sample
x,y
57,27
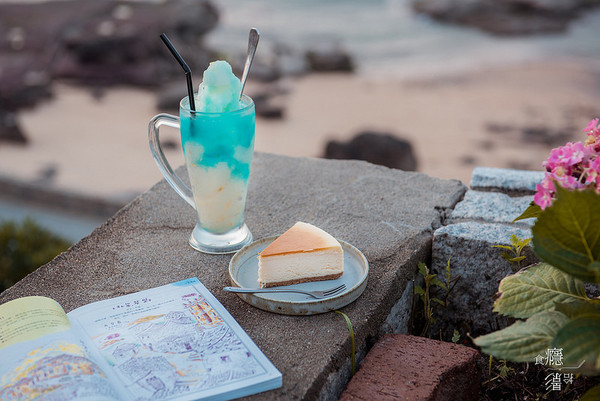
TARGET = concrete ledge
x,y
410,368
390,215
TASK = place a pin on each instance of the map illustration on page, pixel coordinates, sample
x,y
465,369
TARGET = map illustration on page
x,y
174,342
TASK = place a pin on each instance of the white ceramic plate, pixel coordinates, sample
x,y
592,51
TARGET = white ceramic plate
x,y
243,272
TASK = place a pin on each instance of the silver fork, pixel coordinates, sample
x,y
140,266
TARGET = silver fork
x,y
315,294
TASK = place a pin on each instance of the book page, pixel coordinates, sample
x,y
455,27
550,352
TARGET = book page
x,y
42,358
174,342
29,318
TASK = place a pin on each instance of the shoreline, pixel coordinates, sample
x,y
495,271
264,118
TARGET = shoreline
x,y
510,116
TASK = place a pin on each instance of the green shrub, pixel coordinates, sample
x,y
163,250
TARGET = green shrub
x,y
558,316
23,248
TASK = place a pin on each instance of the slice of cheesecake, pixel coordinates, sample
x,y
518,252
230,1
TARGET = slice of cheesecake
x,y
301,254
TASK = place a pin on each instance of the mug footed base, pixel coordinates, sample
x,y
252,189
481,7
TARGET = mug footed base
x,y
229,242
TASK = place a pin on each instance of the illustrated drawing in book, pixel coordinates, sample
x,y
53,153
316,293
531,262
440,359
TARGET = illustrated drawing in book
x,y
174,342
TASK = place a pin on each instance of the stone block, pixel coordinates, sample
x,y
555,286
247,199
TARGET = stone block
x,y
508,181
480,267
401,367
491,207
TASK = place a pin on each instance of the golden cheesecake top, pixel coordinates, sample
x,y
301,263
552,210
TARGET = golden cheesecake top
x,y
301,237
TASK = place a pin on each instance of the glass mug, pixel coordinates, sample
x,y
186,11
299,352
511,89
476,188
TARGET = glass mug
x,y
218,150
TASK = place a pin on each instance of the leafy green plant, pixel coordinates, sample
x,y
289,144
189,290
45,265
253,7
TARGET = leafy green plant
x,y
455,336
551,295
352,345
23,248
514,254
503,370
430,282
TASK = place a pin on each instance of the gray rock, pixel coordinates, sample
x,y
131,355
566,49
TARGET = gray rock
x,y
24,81
508,181
506,17
108,41
328,59
375,147
491,207
480,267
119,43
9,129
267,108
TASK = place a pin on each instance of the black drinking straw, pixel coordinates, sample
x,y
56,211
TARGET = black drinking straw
x,y
186,68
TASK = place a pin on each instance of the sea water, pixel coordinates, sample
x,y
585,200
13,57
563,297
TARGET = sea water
x,y
218,146
388,39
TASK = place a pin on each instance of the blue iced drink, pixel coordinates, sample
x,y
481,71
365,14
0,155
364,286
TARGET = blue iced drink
x,y
218,143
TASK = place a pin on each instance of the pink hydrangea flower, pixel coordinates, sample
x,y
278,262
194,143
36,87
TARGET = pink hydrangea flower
x,y
592,172
569,182
573,166
561,171
544,192
593,132
566,156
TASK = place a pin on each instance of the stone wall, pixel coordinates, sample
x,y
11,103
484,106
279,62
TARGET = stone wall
x,y
480,221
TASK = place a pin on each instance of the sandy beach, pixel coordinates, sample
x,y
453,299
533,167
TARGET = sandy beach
x,y
509,116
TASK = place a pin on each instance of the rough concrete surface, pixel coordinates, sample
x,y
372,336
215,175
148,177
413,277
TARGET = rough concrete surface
x,y
388,214
401,367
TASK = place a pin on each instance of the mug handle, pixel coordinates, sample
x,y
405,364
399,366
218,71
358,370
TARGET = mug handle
x,y
159,157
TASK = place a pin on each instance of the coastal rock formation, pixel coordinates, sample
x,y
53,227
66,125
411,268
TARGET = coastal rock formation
x,y
9,129
329,59
106,41
377,148
95,43
506,17
23,83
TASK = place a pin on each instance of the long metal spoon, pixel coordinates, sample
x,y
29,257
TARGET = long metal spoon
x,y
252,44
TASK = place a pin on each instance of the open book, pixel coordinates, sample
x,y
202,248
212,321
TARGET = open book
x,y
175,342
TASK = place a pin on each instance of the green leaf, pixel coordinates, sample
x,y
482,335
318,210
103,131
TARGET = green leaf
x,y
351,330
435,281
523,340
579,340
578,308
515,259
455,336
439,301
536,289
419,290
532,210
522,243
503,247
505,370
567,235
591,395
423,269
595,267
